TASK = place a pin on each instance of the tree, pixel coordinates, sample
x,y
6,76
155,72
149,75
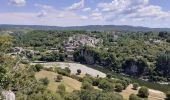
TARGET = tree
x,y
87,86
45,81
118,87
5,61
163,65
67,69
106,85
135,86
62,89
109,75
38,67
59,78
134,97
143,92
78,71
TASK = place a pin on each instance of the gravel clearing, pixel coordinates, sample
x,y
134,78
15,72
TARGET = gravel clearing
x,y
73,67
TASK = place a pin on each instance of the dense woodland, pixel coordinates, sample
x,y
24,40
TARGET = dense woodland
x,y
144,55
120,51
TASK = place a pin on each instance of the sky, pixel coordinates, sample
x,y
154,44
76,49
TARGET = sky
x,y
147,13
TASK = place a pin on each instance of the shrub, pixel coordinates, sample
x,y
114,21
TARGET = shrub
x,y
87,86
134,97
67,70
106,85
109,75
72,96
168,95
76,77
45,81
88,79
119,87
38,67
59,78
24,61
143,92
49,69
135,86
63,72
78,71
96,82
61,89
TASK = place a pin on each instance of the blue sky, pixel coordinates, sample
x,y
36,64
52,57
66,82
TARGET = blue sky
x,y
149,13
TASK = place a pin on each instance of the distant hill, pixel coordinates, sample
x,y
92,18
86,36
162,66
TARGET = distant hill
x,y
88,27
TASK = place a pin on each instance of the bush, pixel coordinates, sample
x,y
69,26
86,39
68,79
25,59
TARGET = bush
x,y
109,75
135,86
106,85
134,97
67,70
168,95
96,82
143,92
38,67
72,96
87,86
24,61
59,78
61,89
88,79
76,77
49,69
78,71
63,72
119,87
45,81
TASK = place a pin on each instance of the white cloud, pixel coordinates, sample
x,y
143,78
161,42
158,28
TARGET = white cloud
x,y
97,16
87,9
17,2
76,6
122,5
83,17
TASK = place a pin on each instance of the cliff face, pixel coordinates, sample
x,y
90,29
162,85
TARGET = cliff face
x,y
91,56
88,56
135,67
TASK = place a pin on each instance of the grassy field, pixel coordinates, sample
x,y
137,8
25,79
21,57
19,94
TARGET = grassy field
x,y
153,95
71,84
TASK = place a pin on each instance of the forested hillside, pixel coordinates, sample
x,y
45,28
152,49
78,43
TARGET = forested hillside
x,y
137,55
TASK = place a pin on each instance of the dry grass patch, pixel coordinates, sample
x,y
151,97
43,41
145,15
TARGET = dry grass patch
x,y
153,94
71,84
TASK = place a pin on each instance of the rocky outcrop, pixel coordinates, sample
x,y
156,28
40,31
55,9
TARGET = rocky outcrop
x,y
135,67
8,95
88,56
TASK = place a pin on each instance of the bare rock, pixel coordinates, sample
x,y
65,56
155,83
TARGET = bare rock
x,y
8,95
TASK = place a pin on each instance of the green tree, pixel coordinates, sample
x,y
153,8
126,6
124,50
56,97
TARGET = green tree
x,y
38,67
78,71
45,81
118,87
61,89
143,92
135,86
59,78
134,97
